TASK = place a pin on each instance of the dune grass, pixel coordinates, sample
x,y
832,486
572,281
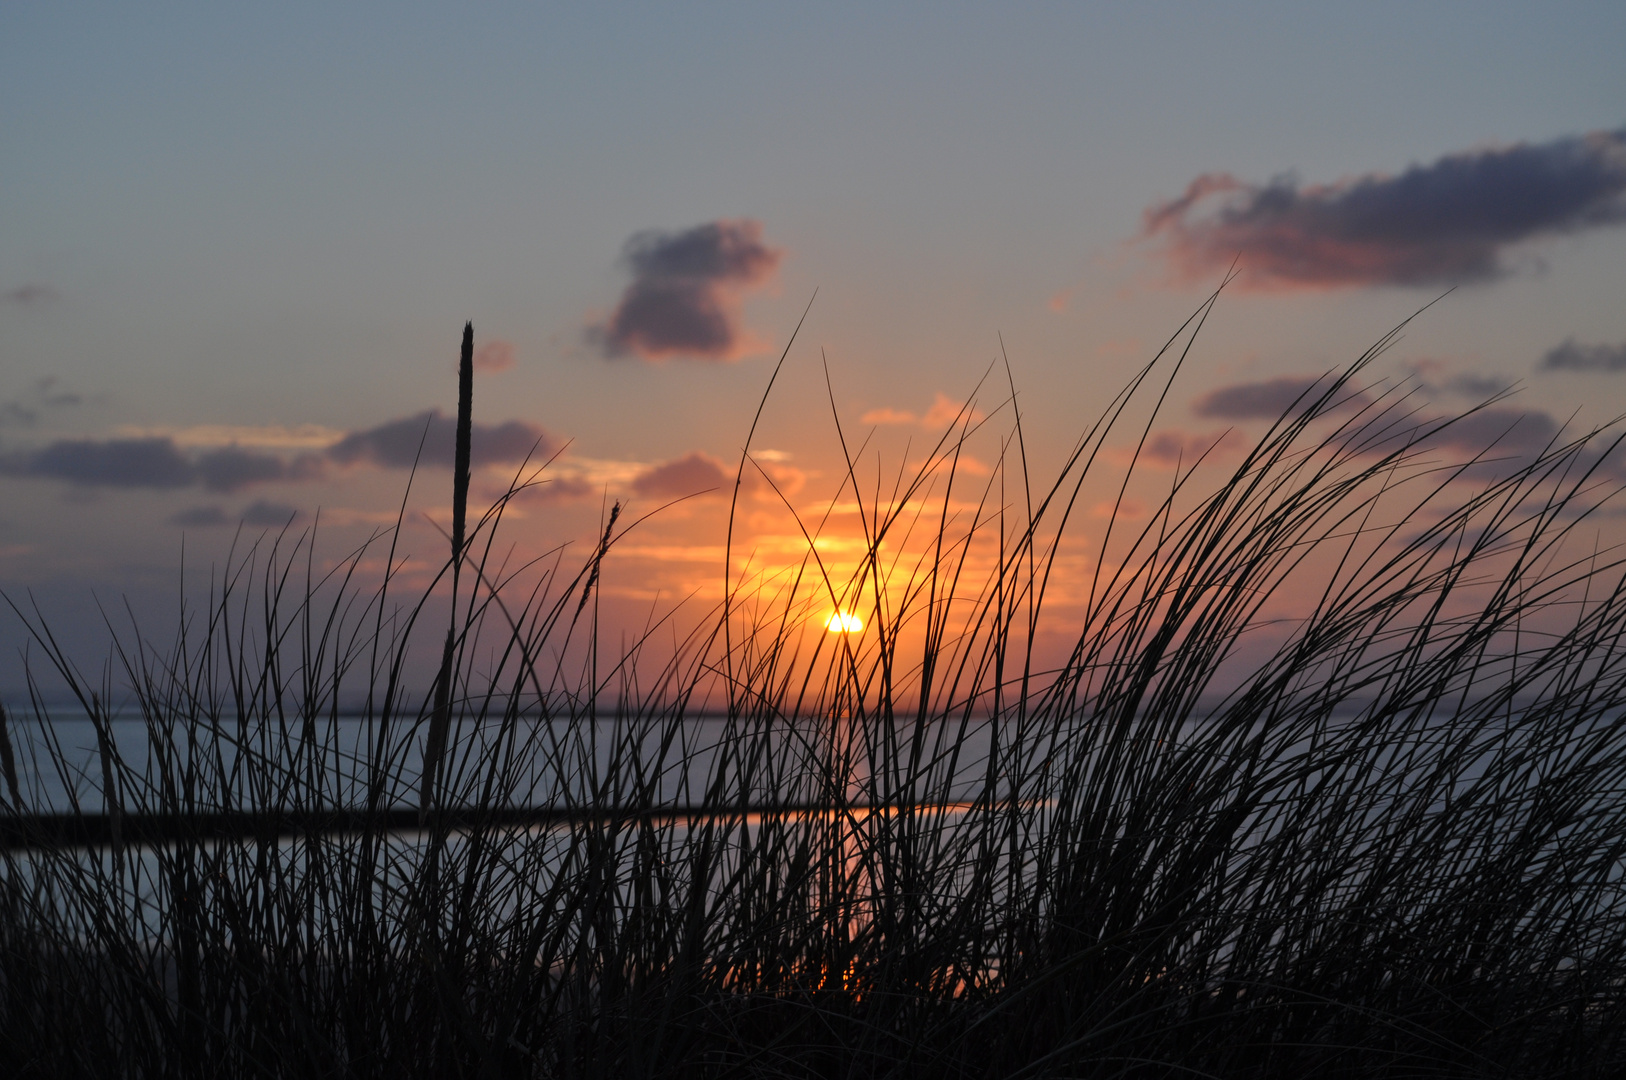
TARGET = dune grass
x,y
1324,778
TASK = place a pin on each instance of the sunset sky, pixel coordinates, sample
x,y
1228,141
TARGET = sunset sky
x,y
237,248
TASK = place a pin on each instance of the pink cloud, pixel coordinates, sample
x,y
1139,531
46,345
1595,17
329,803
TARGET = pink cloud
x,y
698,473
494,356
693,474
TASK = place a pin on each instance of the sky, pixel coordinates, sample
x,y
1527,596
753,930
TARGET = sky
x,y
238,246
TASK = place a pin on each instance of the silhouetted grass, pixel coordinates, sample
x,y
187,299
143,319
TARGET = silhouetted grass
x,y
1328,783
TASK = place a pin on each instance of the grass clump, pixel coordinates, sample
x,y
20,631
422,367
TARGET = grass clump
x,y
1324,779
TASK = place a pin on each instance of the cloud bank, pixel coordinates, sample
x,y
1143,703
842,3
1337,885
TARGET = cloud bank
x,y
685,293
258,514
164,462
1573,356
1443,223
155,462
134,463
1503,437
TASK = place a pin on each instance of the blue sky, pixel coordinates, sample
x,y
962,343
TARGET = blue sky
x,y
262,228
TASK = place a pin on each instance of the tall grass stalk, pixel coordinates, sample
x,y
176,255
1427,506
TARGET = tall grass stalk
x,y
1316,771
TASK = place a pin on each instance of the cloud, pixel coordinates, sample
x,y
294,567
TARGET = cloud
x,y
262,513
1503,438
494,356
556,487
1506,440
29,295
200,517
1469,385
1270,399
154,462
258,514
698,473
1498,432
886,414
691,474
259,436
164,461
1573,356
131,463
944,411
1169,448
232,468
684,297
395,443
1121,510
1437,224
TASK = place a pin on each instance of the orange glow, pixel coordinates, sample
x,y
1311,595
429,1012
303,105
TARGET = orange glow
x,y
841,622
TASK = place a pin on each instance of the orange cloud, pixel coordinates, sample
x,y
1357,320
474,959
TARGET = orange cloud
x,y
1127,510
944,410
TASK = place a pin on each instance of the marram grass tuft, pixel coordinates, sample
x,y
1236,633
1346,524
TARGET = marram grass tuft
x,y
1320,773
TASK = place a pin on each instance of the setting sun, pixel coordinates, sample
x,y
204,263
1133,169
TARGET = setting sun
x,y
840,622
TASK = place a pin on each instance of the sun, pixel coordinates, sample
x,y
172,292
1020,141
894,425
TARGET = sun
x,y
841,622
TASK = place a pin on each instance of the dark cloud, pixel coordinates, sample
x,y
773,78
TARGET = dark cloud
x,y
692,474
154,462
133,463
158,462
258,514
1487,444
1253,401
395,443
265,514
29,295
231,468
200,517
1498,432
1471,386
1573,356
684,295
1442,223
1270,399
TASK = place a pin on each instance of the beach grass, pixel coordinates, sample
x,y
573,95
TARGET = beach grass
x,y
1318,770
